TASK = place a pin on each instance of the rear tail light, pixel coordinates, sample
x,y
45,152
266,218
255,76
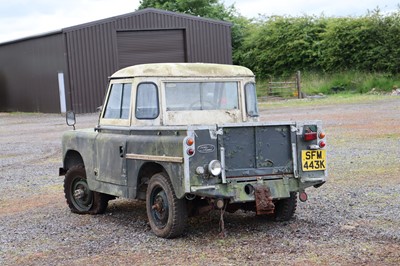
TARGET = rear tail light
x,y
303,196
190,151
322,144
312,134
189,141
308,136
189,145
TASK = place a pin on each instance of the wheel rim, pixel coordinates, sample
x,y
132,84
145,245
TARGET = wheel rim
x,y
81,195
159,207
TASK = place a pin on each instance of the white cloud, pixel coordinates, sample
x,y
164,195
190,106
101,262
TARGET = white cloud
x,y
23,18
251,8
50,15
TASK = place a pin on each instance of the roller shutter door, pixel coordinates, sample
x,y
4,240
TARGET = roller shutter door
x,y
150,46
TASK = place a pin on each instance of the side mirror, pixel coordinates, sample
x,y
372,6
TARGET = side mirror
x,y
70,118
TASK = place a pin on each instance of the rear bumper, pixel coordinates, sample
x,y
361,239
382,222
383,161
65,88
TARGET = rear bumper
x,y
244,191
237,192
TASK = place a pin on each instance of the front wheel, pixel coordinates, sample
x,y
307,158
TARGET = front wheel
x,y
167,214
80,198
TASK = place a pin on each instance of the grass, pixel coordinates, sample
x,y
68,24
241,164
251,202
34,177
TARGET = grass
x,y
313,83
351,82
341,98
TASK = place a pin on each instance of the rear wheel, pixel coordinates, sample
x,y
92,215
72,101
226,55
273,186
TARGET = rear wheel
x,y
285,208
167,214
80,198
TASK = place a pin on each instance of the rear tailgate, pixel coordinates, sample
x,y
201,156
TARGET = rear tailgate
x,y
258,150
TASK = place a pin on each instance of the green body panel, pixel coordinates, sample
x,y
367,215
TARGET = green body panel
x,y
81,141
125,150
104,155
156,143
111,169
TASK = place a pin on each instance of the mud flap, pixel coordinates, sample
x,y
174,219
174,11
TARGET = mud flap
x,y
263,197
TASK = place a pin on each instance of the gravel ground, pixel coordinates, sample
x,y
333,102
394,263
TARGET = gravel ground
x,y
354,219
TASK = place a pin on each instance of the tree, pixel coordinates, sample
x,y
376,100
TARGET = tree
x,y
278,46
203,8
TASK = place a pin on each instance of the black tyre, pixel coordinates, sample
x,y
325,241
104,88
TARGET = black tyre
x,y
285,208
167,215
80,198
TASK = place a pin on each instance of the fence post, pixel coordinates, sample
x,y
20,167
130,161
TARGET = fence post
x,y
298,86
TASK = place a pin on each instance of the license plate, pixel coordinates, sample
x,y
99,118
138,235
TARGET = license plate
x,y
313,160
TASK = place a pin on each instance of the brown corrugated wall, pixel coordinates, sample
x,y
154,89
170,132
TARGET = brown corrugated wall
x,y
88,54
91,60
93,53
29,74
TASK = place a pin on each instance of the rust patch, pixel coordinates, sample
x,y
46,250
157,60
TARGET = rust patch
x,y
264,204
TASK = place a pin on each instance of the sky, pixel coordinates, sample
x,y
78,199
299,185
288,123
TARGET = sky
x,y
24,18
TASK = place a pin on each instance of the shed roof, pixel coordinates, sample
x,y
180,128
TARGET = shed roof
x,y
183,70
145,11
111,19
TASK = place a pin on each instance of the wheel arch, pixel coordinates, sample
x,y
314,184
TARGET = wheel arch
x,y
72,158
146,171
173,171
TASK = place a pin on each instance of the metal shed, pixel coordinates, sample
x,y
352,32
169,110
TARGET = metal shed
x,y
68,69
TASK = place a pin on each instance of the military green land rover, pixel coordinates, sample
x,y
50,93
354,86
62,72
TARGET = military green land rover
x,y
185,138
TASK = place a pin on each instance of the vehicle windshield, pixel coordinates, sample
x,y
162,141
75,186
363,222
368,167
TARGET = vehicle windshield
x,y
182,96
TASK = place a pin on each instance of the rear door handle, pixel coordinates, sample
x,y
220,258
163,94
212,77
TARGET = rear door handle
x,y
121,151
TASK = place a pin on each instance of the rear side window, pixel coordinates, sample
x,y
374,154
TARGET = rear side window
x,y
251,99
119,101
147,101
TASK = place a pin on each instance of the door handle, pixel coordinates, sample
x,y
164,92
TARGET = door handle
x,y
121,151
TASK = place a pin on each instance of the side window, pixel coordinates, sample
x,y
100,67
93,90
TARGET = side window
x,y
147,101
251,99
119,100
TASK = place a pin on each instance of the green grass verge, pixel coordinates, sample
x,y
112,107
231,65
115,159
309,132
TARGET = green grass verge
x,y
351,81
341,98
332,83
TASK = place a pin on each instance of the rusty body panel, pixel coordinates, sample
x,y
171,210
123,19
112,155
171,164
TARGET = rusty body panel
x,y
208,143
254,152
108,156
263,198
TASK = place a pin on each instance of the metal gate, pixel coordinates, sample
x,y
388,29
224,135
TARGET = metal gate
x,y
290,88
